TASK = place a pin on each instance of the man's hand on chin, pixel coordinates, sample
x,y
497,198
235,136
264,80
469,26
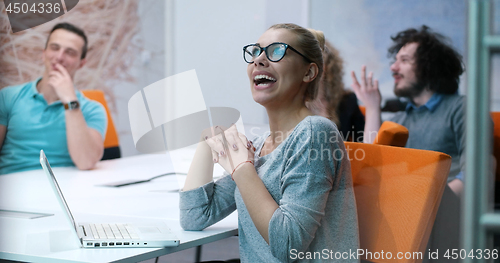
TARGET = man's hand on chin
x,y
62,83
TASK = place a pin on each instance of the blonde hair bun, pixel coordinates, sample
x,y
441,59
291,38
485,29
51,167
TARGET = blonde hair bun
x,y
319,36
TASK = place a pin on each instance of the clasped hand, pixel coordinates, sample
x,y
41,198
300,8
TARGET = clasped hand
x,y
230,148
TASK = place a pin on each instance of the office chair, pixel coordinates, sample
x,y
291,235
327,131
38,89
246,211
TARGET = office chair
x,y
362,109
391,105
398,192
495,116
111,143
392,134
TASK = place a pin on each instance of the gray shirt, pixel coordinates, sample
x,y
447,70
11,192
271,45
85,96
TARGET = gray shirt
x,y
309,176
439,125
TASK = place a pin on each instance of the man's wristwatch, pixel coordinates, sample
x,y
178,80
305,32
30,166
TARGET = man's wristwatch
x,y
71,105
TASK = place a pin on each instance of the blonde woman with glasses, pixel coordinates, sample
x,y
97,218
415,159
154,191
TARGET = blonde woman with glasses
x,y
292,186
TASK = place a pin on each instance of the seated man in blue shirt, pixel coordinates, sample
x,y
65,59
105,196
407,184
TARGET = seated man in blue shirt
x,y
50,114
426,71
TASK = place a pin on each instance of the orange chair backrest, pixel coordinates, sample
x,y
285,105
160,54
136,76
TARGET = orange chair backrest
x,y
392,134
398,192
362,109
111,138
496,141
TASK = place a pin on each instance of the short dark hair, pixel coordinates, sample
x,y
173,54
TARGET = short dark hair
x,y
74,29
438,64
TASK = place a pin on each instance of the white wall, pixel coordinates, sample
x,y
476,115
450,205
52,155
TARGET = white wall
x,y
209,37
149,67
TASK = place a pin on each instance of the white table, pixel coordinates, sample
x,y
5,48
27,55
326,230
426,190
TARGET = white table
x,y
50,238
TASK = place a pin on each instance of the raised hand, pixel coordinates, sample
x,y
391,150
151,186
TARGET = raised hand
x,y
367,92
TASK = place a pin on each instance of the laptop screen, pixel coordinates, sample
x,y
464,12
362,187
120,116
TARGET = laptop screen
x,y
53,182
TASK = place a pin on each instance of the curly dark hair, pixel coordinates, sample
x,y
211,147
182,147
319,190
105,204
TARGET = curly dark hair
x,y
438,64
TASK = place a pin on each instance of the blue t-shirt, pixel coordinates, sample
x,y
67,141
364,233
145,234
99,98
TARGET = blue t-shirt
x,y
33,125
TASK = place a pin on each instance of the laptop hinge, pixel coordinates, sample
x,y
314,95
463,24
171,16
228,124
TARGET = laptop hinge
x,y
83,229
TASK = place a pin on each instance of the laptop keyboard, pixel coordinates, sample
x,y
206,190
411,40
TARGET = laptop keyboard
x,y
113,231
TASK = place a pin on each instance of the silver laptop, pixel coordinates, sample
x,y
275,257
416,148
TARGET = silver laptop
x,y
112,235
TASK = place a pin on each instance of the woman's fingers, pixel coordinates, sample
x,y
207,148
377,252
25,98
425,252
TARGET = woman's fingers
x,y
217,147
215,155
232,142
244,142
229,147
248,144
237,139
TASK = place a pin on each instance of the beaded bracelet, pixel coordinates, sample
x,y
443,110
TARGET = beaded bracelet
x,y
239,166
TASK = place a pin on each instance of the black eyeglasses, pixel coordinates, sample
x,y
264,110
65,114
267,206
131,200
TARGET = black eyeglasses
x,y
274,52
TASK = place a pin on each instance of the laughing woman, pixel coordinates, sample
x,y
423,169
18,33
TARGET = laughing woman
x,y
292,186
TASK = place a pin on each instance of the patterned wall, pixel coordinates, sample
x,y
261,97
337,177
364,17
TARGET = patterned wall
x,y
110,26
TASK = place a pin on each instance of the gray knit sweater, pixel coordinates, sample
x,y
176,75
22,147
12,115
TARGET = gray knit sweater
x,y
439,127
309,176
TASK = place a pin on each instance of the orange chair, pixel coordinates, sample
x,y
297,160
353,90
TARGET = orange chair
x,y
362,109
392,134
495,116
496,141
111,143
398,192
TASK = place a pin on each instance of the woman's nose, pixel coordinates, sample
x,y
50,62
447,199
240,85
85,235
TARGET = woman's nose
x,y
261,60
